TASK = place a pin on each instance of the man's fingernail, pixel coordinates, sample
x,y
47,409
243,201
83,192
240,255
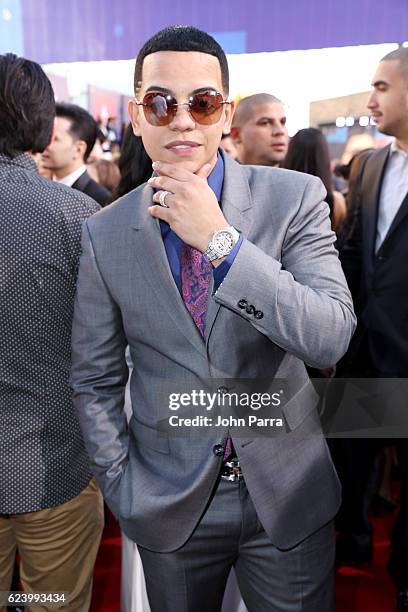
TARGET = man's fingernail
x,y
155,165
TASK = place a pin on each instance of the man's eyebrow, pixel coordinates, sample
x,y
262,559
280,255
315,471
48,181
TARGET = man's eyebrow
x,y
169,91
271,118
159,89
379,82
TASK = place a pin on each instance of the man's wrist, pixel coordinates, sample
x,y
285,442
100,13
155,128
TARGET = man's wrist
x,y
221,244
216,262
208,237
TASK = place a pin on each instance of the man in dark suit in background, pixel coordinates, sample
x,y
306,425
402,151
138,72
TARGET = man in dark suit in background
x,y
51,510
75,135
374,253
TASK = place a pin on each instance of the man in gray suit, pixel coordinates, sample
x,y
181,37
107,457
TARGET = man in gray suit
x,y
211,270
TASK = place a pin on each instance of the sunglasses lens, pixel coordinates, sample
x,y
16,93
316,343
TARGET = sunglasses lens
x,y
159,109
206,107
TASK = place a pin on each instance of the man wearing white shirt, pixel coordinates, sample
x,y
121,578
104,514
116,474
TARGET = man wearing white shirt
x,y
75,133
374,253
393,190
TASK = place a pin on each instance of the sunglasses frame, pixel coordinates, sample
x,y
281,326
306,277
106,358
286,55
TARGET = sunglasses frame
x,y
170,116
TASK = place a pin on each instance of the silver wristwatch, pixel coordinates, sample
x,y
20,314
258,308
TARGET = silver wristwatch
x,y
222,243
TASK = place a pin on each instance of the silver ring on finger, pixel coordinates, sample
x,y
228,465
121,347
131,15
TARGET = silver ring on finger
x,y
162,198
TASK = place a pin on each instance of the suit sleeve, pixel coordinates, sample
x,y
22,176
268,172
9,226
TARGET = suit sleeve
x,y
301,303
99,374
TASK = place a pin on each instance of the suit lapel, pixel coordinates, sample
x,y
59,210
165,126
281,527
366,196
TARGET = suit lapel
x,y
149,250
82,182
371,190
236,204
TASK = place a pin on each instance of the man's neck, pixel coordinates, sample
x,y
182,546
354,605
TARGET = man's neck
x,y
71,178
402,144
247,161
61,173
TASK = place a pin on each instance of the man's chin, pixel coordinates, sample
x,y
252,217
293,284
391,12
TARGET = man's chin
x,y
384,129
192,165
271,162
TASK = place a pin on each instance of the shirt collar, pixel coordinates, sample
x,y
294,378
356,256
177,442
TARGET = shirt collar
x,y
394,149
70,179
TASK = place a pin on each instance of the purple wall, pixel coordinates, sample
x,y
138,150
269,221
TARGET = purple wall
x,y
72,30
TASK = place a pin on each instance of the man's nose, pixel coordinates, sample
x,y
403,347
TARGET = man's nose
x,y
372,101
183,119
278,130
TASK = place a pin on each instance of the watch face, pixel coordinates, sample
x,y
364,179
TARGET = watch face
x,y
223,243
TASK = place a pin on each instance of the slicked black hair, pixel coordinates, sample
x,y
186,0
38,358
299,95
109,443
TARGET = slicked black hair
x,y
27,106
182,38
83,125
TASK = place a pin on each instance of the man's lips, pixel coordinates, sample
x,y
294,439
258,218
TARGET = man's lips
x,y
182,145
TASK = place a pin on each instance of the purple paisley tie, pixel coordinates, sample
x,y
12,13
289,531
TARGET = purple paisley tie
x,y
196,272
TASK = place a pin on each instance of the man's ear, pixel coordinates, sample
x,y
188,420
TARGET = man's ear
x,y
81,146
229,113
236,134
133,110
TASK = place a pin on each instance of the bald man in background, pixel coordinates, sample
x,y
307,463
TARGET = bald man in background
x,y
259,130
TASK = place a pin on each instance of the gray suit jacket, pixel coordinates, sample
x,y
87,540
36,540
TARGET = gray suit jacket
x,y
288,269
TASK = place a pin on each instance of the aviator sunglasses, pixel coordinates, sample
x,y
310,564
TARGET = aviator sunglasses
x,y
160,108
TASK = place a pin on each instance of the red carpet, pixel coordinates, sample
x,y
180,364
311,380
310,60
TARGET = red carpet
x,y
106,587
368,587
357,590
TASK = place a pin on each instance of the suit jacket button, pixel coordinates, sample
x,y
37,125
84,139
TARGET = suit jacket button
x,y
222,390
218,450
242,304
251,309
258,314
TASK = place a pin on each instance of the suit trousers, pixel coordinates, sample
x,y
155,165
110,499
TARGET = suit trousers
x,y
193,578
57,548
